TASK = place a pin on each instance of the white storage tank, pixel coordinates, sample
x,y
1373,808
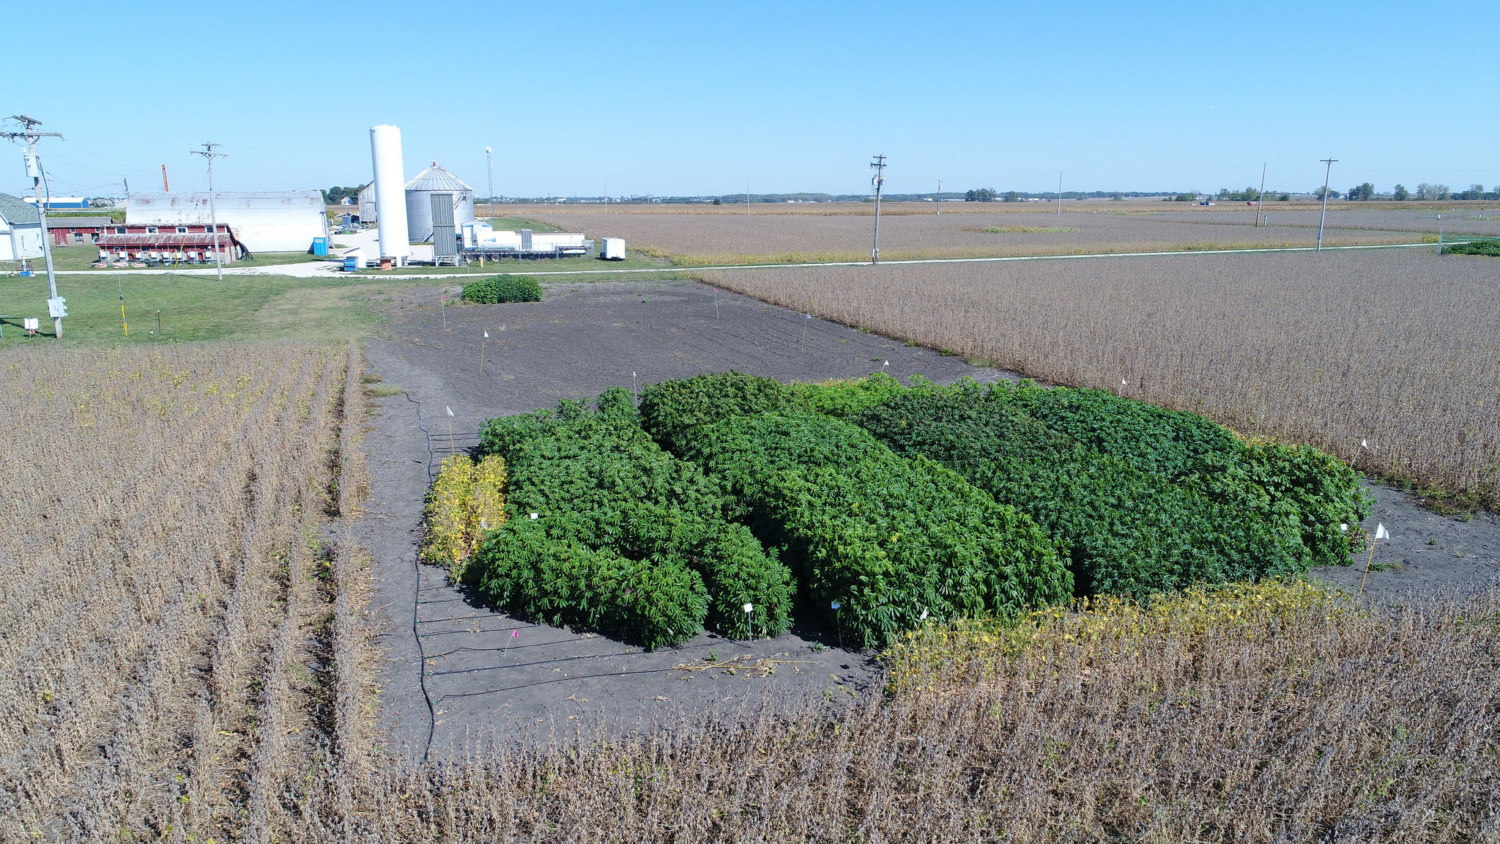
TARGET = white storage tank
x,y
385,147
419,193
612,249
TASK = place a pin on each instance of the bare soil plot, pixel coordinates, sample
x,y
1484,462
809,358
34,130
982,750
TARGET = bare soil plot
x,y
486,670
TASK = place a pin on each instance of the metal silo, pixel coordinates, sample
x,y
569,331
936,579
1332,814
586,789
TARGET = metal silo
x,y
419,197
385,147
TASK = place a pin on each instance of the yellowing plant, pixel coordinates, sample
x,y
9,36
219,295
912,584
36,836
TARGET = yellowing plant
x,y
466,502
942,654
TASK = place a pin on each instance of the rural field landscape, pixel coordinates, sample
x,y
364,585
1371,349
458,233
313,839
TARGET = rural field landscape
x,y
751,423
295,673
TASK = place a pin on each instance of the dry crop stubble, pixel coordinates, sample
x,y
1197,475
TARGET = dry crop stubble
x,y
1318,721
1397,349
160,613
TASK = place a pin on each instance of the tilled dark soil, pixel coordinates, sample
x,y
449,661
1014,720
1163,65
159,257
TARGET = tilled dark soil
x,y
486,671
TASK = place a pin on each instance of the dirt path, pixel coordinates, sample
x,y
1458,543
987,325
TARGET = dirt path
x,y
487,671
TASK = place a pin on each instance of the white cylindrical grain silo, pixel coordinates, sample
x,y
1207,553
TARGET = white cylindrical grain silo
x,y
390,195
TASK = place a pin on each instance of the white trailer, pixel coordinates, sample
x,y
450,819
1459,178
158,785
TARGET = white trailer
x,y
612,249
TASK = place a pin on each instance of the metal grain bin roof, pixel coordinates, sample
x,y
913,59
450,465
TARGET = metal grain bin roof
x,y
436,179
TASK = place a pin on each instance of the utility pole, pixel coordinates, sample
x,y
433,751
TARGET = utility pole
x,y
1059,196
34,170
1326,172
879,182
213,215
1260,200
938,211
491,164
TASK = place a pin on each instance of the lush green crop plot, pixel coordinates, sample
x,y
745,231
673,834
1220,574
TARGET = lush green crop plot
x,y
889,504
627,539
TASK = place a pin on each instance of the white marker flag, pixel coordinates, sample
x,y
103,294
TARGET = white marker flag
x,y
449,409
749,607
1364,444
1381,532
486,335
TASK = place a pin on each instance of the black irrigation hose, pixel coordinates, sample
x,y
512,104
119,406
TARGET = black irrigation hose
x,y
416,591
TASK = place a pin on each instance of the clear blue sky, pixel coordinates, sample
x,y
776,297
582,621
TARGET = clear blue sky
x,y
703,97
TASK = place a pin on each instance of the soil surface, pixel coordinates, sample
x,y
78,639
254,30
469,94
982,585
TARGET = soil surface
x,y
489,674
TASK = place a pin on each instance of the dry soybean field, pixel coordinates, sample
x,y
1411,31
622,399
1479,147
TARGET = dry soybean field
x,y
181,641
768,234
1387,359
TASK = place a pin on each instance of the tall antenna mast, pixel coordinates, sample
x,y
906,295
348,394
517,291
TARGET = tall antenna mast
x,y
1326,173
878,180
213,215
34,169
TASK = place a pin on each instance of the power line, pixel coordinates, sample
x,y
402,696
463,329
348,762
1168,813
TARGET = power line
x,y
34,170
1326,173
208,153
878,180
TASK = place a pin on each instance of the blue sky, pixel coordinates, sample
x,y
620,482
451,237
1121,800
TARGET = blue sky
x,y
705,97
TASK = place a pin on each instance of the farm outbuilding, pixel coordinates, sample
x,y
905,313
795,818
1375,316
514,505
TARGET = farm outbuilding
x,y
367,211
285,221
436,185
58,202
170,244
20,229
68,230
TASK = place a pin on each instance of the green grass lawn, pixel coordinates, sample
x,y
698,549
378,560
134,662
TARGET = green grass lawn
x,y
197,307
242,307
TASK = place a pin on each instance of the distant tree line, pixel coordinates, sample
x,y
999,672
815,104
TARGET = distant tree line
x,y
335,195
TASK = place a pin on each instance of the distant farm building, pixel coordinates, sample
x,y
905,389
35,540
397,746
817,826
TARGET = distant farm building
x,y
70,230
20,230
61,202
437,198
367,212
262,222
169,244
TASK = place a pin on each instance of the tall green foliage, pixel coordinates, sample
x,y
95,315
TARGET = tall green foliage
x,y
1274,481
891,540
1127,531
599,485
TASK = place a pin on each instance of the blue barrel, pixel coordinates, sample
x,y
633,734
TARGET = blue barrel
x,y
351,264
320,246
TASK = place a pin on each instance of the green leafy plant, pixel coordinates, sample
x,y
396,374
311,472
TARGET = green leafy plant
x,y
600,485
501,289
891,540
1126,531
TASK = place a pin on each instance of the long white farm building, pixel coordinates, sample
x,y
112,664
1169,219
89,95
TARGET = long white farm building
x,y
283,221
